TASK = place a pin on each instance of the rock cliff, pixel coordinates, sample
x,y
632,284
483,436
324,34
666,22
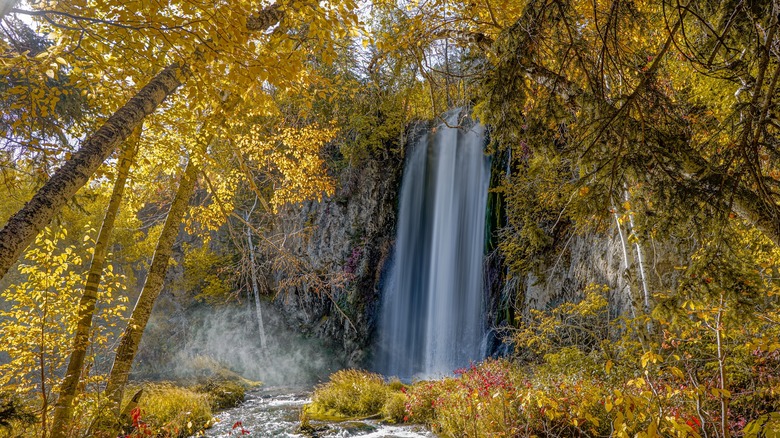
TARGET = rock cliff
x,y
327,274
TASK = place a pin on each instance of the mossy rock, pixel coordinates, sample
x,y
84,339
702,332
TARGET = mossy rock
x,y
357,427
207,369
223,394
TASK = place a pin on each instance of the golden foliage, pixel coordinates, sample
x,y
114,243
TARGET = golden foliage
x,y
42,313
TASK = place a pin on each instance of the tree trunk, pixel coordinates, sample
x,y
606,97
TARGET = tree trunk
x,y
107,425
63,409
255,288
131,338
22,227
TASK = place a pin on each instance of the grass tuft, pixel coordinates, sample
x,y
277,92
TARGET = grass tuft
x,y
171,411
350,394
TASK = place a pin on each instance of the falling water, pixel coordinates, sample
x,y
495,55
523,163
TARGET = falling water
x,y
432,319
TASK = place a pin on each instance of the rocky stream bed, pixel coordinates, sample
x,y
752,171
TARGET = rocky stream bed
x,y
275,412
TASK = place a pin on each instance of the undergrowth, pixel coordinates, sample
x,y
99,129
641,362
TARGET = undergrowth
x,y
165,410
590,377
350,394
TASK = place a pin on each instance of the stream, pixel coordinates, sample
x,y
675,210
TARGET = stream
x,y
274,412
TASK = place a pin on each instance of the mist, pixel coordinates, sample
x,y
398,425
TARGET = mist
x,y
224,341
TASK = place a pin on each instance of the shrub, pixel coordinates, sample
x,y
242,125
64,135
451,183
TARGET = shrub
x,y
423,398
396,385
481,402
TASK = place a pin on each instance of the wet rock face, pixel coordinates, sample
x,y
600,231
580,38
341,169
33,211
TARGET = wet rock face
x,y
326,271
591,258
605,259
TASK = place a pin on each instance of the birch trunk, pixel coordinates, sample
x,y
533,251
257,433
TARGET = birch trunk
x,y
131,338
63,409
255,288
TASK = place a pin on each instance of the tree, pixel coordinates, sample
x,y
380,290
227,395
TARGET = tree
x,y
253,279
86,307
40,319
131,337
23,226
632,124
293,153
252,60
45,310
670,94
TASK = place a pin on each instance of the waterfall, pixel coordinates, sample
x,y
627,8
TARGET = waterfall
x,y
432,313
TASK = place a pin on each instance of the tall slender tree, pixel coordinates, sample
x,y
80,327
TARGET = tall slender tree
x,y
253,278
22,227
131,337
63,409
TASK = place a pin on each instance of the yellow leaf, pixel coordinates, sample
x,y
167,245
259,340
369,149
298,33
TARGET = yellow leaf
x,y
651,357
652,430
677,372
619,420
